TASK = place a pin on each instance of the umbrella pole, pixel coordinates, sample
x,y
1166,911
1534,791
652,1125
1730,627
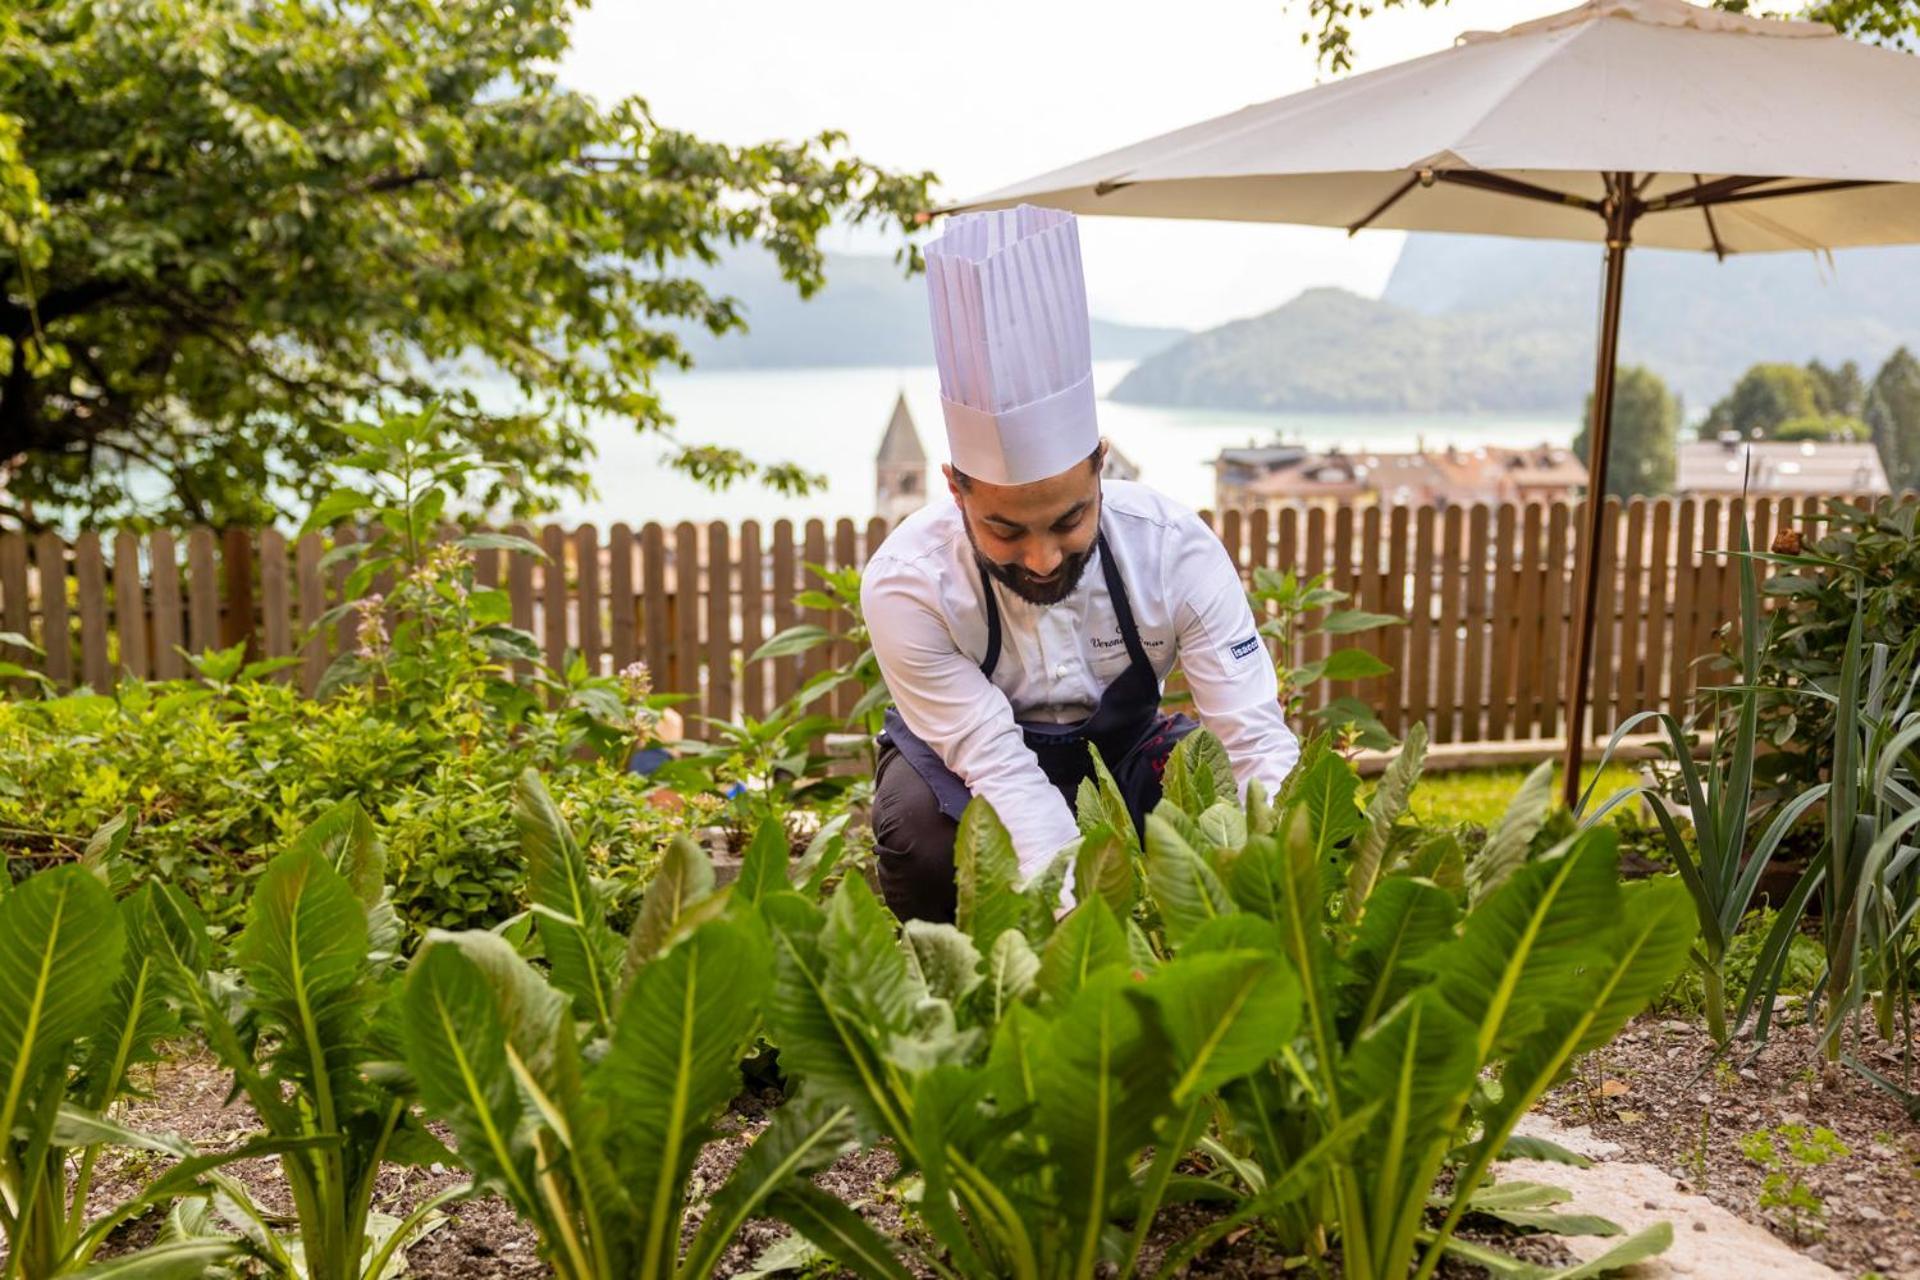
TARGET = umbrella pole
x,y
1620,210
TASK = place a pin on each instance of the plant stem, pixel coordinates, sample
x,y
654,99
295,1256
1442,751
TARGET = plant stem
x,y
1715,983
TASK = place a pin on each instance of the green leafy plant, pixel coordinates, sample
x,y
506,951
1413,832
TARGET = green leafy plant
x,y
302,1026
1411,996
585,1097
85,996
1788,1154
1017,1067
1284,603
1721,866
1868,872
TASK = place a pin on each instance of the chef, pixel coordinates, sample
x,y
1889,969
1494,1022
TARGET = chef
x,y
1040,610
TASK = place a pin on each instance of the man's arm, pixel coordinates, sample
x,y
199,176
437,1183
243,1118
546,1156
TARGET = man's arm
x,y
946,700
1226,663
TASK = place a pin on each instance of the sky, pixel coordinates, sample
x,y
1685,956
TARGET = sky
x,y
987,92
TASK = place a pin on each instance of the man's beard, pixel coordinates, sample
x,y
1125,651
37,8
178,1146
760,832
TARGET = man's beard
x,y
1023,584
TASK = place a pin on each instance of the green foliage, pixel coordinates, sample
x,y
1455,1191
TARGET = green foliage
x,y
1892,22
427,722
1785,1188
230,228
1866,560
1283,603
1644,436
1892,410
1766,396
301,1026
1822,426
1410,994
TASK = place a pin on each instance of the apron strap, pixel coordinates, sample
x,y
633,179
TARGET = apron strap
x,y
1122,607
992,660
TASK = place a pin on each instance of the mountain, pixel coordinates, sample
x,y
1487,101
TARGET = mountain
x,y
1473,323
1331,351
869,313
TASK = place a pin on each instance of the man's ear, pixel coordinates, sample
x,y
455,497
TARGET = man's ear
x,y
953,485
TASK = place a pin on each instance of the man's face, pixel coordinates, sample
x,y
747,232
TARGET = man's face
x,y
1037,539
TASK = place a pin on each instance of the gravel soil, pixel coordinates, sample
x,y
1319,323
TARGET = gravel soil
x,y
1661,1094
1657,1092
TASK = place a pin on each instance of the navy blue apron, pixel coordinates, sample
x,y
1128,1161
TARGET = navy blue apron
x,y
1133,737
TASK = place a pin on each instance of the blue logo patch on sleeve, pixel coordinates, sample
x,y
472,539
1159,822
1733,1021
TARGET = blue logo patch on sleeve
x,y
1244,649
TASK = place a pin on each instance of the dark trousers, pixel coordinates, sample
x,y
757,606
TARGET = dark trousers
x,y
913,840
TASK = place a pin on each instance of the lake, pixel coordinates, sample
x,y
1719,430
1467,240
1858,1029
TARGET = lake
x,y
830,421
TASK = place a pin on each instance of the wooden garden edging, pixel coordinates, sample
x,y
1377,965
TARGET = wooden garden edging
x,y
1482,658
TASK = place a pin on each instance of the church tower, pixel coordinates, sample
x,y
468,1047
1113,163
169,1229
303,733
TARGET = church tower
x,y
900,468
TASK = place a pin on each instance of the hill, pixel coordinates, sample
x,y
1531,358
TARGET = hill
x,y
1481,323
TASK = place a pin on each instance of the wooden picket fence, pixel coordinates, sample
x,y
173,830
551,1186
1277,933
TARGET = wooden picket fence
x,y
1486,590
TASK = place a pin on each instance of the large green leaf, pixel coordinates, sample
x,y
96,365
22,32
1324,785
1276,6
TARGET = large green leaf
x,y
986,876
1103,866
1189,892
1012,969
1533,945
136,1014
945,959
61,942
1088,940
1405,921
1198,773
1506,849
1100,1085
304,955
683,880
1225,1013
869,975
1388,802
766,862
673,1064
1326,786
1419,1065
826,1047
175,1260
60,951
585,954
489,1044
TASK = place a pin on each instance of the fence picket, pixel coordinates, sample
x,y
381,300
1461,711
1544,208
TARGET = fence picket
x,y
275,623
130,606
90,597
719,622
622,603
313,603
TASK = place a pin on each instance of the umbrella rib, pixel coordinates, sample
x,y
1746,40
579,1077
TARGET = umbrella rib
x,y
1384,205
1715,192
1806,189
1713,232
1504,185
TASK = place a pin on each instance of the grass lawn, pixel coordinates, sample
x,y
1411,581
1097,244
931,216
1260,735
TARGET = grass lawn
x,y
1482,795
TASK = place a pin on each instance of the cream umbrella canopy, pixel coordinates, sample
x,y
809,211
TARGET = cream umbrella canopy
x,y
1651,122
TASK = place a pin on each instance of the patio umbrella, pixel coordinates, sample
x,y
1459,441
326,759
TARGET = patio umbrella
x,y
1649,122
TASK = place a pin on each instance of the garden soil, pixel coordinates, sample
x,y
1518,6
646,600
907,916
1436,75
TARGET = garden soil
x,y
1661,1120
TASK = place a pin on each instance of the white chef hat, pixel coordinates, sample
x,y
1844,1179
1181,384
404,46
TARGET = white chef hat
x,y
1011,337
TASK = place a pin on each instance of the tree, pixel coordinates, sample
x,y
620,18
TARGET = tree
x,y
1893,411
1645,430
1821,426
246,224
1839,391
1766,396
1889,22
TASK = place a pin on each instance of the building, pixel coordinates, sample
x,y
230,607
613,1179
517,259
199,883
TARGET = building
x,y
1278,475
1731,467
900,468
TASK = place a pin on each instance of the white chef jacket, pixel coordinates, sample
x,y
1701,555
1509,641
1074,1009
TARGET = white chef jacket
x,y
921,595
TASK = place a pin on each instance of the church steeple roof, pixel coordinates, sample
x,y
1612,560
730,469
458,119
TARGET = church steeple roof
x,y
901,444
